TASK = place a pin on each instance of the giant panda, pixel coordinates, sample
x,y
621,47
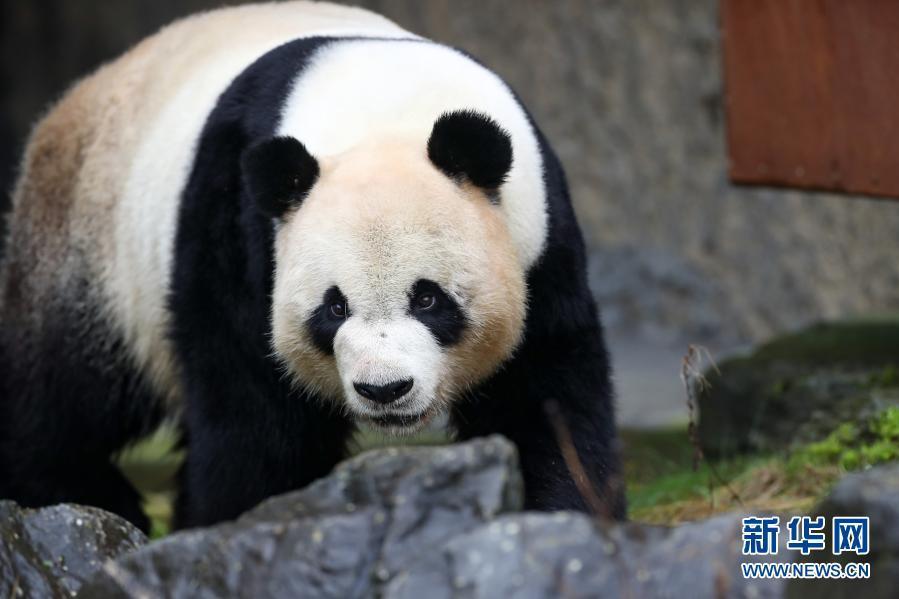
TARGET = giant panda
x,y
273,223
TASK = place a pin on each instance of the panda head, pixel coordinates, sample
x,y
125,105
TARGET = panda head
x,y
397,285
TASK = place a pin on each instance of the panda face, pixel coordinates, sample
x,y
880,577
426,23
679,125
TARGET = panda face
x,y
397,287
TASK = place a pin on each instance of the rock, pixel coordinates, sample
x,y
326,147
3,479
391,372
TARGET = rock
x,y
431,522
798,388
426,522
569,555
341,537
748,408
50,552
873,493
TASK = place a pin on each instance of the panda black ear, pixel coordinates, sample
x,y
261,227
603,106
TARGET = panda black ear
x,y
465,144
278,174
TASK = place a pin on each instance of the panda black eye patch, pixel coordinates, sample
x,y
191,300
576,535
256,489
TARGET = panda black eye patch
x,y
435,309
327,318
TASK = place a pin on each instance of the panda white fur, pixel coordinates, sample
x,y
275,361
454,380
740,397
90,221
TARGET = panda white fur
x,y
277,221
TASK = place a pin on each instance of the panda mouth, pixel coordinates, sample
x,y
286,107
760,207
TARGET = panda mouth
x,y
395,422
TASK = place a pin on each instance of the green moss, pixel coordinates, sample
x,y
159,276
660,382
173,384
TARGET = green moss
x,y
854,446
663,486
828,450
886,425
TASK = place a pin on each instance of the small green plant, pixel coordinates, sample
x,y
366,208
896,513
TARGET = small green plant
x,y
852,446
829,449
886,426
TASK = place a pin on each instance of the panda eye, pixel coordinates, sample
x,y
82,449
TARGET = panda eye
x,y
425,301
338,310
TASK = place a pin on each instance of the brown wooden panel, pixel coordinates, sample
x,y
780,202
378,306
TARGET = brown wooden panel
x,y
812,93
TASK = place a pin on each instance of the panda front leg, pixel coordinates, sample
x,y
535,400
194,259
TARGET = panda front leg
x,y
247,443
558,377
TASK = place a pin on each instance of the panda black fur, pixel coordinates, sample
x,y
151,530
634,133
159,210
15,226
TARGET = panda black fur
x,y
93,359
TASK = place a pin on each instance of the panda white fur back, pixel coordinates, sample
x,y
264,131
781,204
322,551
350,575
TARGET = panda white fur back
x,y
278,220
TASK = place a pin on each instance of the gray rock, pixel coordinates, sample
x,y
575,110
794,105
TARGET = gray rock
x,y
569,555
50,552
873,493
431,522
426,522
752,409
798,388
341,537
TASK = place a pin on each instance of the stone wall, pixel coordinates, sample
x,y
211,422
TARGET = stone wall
x,y
630,93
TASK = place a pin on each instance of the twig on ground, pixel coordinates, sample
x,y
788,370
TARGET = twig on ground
x,y
695,382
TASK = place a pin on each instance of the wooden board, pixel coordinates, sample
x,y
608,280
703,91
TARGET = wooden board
x,y
812,93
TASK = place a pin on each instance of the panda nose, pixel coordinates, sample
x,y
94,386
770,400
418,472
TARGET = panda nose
x,y
384,394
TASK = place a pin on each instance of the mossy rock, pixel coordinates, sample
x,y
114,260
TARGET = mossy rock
x,y
864,342
800,387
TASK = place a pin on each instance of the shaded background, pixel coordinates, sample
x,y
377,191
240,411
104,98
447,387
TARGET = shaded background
x,y
630,94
